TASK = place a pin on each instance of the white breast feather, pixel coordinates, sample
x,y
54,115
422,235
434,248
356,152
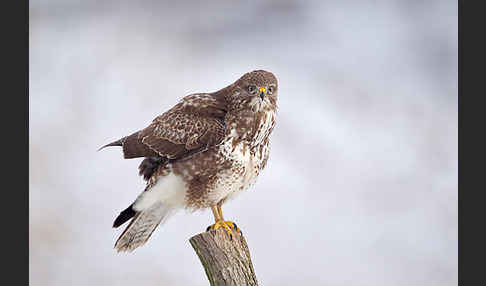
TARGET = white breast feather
x,y
242,176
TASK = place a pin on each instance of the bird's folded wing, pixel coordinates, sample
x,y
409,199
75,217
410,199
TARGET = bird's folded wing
x,y
184,130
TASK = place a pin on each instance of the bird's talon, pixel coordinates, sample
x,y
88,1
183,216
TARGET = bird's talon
x,y
227,225
235,227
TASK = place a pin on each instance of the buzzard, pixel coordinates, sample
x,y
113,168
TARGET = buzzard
x,y
199,154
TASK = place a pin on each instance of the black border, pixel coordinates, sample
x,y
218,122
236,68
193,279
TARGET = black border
x,y
471,65
460,131
15,142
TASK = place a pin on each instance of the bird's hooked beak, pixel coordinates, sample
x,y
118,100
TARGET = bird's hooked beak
x,y
263,92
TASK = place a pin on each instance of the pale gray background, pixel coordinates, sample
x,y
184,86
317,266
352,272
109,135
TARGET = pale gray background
x,y
361,185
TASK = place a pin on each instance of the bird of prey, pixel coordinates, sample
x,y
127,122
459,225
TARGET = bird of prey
x,y
199,154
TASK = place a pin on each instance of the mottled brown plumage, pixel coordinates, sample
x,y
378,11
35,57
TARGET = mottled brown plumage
x,y
200,153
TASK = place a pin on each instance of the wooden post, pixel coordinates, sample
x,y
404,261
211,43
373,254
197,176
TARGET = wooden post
x,y
226,262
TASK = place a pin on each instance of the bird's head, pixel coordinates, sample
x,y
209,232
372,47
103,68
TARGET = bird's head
x,y
257,89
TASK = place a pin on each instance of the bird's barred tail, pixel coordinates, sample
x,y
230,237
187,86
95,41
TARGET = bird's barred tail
x,y
142,226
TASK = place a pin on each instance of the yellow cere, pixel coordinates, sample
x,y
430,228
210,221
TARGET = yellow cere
x,y
262,89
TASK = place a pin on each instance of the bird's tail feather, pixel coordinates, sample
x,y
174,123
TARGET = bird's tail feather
x,y
142,226
125,215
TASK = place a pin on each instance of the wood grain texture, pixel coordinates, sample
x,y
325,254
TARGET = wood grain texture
x,y
226,262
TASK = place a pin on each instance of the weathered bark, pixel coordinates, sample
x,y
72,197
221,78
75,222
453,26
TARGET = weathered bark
x,y
226,262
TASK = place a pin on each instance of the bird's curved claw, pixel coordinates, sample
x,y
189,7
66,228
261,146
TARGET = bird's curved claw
x,y
227,225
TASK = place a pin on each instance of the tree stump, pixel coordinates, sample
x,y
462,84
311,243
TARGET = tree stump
x,y
226,262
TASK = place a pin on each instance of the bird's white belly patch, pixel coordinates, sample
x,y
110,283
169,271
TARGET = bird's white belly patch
x,y
170,190
239,177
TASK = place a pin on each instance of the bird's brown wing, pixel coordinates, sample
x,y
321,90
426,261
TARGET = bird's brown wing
x,y
193,125
177,134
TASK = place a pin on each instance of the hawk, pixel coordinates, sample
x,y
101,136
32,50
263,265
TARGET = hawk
x,y
199,154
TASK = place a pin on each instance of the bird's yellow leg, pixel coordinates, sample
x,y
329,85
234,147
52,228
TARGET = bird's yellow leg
x,y
219,222
232,224
220,210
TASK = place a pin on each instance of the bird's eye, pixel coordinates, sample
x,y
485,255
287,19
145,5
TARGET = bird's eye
x,y
252,89
270,89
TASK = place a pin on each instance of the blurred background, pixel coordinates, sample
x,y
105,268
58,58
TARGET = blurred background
x,y
361,185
